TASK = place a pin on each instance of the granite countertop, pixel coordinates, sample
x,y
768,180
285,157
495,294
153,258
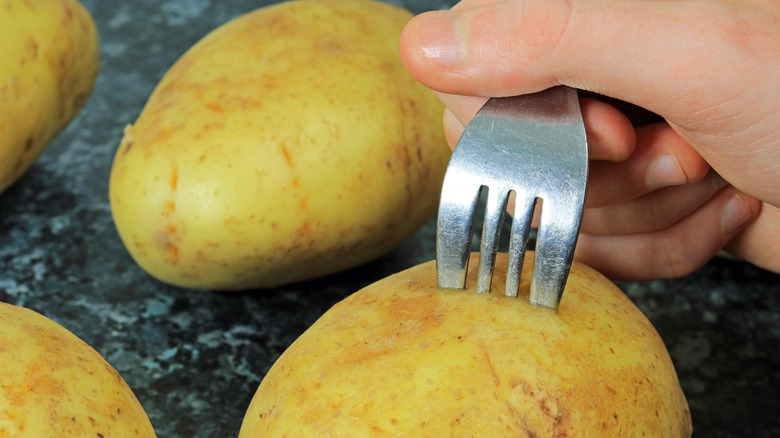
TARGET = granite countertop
x,y
195,358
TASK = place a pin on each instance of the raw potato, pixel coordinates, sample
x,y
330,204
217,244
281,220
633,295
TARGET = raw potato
x,y
286,145
401,358
48,66
52,384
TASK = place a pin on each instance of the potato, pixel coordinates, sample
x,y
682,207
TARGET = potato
x,y
288,144
52,384
48,66
401,358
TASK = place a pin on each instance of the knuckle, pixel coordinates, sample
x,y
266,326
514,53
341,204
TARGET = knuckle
x,y
520,35
675,259
545,26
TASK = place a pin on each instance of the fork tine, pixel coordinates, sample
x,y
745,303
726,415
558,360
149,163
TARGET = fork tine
x,y
555,242
521,227
491,228
455,227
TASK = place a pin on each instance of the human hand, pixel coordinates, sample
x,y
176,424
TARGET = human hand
x,y
708,68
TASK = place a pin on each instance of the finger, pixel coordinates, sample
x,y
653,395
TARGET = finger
x,y
661,159
675,251
609,132
452,128
466,4
462,108
759,243
653,212
521,46
611,135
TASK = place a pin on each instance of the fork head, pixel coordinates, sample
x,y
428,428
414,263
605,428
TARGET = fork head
x,y
535,147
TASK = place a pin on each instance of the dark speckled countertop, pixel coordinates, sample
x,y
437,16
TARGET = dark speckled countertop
x,y
195,358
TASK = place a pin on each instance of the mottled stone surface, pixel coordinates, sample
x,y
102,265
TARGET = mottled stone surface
x,y
195,358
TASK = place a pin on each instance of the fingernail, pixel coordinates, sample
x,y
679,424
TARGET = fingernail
x,y
717,182
664,171
734,214
440,38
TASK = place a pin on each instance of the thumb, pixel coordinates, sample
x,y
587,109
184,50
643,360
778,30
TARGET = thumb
x,y
651,54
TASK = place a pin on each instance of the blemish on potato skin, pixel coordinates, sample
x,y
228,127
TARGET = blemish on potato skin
x,y
68,12
489,363
214,107
19,164
127,140
32,47
173,252
165,239
286,154
28,145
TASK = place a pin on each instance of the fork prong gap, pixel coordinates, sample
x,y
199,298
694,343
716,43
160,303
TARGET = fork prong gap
x,y
491,228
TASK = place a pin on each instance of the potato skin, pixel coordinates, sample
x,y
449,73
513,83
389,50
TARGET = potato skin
x,y
286,145
52,384
401,358
48,67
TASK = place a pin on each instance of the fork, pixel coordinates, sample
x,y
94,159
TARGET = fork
x,y
535,146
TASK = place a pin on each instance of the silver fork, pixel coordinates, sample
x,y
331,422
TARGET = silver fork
x,y
535,146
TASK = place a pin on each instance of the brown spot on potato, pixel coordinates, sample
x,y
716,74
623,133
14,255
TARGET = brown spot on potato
x,y
286,154
496,379
214,107
79,101
32,47
173,252
127,140
174,179
165,239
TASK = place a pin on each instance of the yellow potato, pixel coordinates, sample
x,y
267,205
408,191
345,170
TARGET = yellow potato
x,y
401,358
48,66
52,384
288,144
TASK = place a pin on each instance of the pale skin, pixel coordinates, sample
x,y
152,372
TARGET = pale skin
x,y
663,197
